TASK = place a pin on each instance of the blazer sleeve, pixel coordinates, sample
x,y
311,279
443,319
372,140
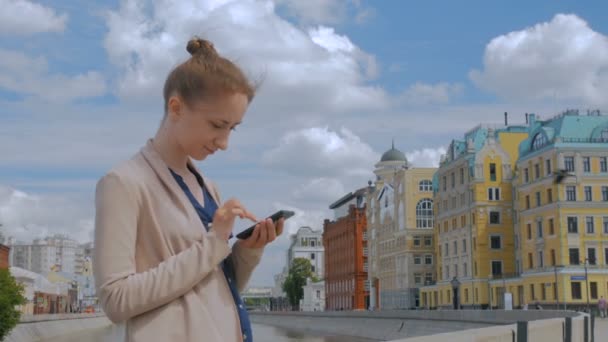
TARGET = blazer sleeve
x,y
123,292
244,259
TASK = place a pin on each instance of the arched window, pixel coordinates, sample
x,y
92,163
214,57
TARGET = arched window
x,y
424,213
425,185
539,141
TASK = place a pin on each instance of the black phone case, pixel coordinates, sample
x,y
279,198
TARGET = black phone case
x,y
275,217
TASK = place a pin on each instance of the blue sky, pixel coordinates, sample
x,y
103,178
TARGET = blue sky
x,y
80,91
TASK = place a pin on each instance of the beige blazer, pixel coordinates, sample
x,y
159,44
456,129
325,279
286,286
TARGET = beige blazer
x,y
156,267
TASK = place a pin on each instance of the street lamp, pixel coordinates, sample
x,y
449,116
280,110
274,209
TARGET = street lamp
x,y
587,286
455,285
556,287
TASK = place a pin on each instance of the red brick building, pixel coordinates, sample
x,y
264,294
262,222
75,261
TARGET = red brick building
x,y
4,256
345,245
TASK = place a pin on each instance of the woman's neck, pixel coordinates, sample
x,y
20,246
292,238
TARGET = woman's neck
x,y
170,152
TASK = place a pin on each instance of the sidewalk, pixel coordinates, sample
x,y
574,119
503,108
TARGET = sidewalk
x,y
601,329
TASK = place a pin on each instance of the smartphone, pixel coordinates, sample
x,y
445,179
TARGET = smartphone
x,y
275,217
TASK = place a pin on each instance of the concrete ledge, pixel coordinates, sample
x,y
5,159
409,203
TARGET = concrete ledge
x,y
42,327
393,325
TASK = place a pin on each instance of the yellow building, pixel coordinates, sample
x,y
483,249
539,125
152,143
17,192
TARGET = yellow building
x,y
400,232
474,216
562,230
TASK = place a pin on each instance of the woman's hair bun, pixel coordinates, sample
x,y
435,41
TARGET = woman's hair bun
x,y
201,47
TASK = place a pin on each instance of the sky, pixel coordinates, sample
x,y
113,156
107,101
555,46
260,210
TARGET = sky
x,y
81,90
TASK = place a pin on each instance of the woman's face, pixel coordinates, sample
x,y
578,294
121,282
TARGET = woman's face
x,y
205,126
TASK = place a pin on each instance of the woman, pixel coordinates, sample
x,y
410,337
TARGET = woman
x,y
162,263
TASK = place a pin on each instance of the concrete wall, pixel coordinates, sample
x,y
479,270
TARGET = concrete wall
x,y
41,327
394,325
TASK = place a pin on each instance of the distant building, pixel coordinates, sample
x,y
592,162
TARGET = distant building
x,y
55,253
314,296
345,243
308,244
4,253
400,232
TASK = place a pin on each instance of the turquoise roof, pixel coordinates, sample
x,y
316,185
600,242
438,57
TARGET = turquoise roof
x,y
569,129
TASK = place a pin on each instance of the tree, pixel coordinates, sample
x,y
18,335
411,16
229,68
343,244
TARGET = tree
x,y
11,295
300,270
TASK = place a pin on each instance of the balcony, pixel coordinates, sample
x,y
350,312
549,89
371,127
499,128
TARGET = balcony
x,y
365,252
365,267
365,236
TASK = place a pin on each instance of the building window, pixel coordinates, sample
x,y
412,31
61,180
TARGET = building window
x,y
551,227
589,225
495,242
464,245
553,261
417,241
538,198
494,217
605,224
539,141
453,179
574,257
424,213
571,193
425,185
462,175
417,260
445,183
539,229
569,162
428,241
417,278
603,164
318,294
536,171
455,247
529,231
312,256
605,193
428,278
549,196
586,164
573,225
428,259
591,256
530,261
496,268
527,201
494,194
446,249
588,194
541,261
548,166
312,269
526,176
576,290
465,270
492,172
593,289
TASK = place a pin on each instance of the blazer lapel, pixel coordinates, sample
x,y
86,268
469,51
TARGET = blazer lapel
x,y
162,171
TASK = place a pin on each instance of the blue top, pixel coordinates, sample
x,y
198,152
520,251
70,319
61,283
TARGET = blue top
x,y
206,215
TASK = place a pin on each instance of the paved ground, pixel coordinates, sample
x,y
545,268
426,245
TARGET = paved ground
x,y
601,329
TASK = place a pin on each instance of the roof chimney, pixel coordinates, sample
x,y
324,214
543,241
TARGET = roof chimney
x,y
506,120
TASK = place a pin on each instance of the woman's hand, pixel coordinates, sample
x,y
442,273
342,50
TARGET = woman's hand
x,y
223,220
264,233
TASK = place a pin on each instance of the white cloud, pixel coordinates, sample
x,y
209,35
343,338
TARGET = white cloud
x,y
426,157
23,74
320,152
22,17
326,11
313,72
563,59
320,190
26,216
425,94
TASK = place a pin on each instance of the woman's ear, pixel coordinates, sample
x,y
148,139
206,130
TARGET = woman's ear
x,y
174,107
